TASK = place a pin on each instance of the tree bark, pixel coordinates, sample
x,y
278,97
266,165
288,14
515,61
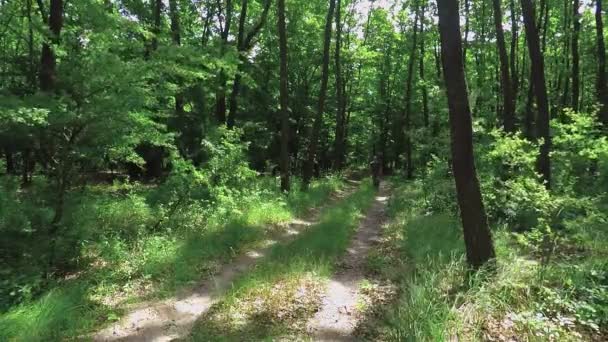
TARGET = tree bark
x,y
340,100
540,90
284,96
48,73
514,39
508,110
576,28
176,36
602,94
220,95
425,94
318,120
477,235
244,44
409,167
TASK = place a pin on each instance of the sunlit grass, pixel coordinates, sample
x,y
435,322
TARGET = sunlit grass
x,y
244,312
153,265
521,299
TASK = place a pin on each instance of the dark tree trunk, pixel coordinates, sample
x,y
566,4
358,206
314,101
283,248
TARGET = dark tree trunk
x,y
340,100
220,95
425,94
508,112
540,90
48,74
409,167
10,162
176,36
576,25
602,94
477,235
244,44
514,38
467,14
284,96
318,120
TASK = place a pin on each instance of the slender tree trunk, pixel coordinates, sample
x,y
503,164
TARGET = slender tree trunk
x,y
220,95
409,167
467,20
514,39
477,235
318,120
540,91
576,25
244,44
176,36
340,100
508,112
284,96
10,163
48,73
602,92
425,94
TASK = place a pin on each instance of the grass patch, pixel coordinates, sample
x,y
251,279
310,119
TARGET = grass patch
x,y
279,296
565,299
132,265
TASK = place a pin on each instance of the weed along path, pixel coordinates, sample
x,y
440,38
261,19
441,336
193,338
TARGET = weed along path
x,y
174,317
338,317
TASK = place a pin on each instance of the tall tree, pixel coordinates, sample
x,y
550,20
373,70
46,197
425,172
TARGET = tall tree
x,y
576,28
508,110
284,96
48,73
602,92
318,120
409,167
540,90
244,43
220,95
425,93
340,96
539,85
477,235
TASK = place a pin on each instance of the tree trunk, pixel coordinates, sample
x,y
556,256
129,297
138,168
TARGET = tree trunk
x,y
514,38
602,94
48,73
425,94
10,162
508,112
176,36
220,95
576,25
340,100
540,90
318,120
284,96
409,167
477,235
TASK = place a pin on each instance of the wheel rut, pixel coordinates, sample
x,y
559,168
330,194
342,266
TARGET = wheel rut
x,y
339,316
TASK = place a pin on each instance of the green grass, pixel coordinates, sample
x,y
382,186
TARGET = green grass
x,y
265,303
148,266
438,300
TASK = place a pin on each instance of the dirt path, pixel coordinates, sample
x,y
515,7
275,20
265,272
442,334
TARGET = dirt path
x,y
338,316
174,317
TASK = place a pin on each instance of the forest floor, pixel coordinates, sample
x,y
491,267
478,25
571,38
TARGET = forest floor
x,y
174,317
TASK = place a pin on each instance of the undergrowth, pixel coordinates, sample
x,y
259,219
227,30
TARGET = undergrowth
x,y
129,254
526,297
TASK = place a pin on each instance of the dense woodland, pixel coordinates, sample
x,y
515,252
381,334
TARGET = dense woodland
x,y
146,143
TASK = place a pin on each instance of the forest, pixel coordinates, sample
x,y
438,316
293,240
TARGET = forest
x,y
321,170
